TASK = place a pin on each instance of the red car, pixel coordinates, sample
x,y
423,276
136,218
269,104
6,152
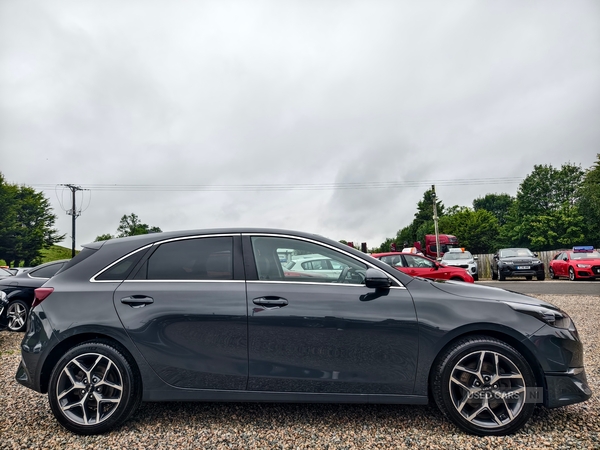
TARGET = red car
x,y
581,263
419,266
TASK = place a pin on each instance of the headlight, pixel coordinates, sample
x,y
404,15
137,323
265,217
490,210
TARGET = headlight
x,y
537,261
584,266
553,317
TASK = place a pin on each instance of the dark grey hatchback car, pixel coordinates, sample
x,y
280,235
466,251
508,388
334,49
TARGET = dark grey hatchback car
x,y
213,315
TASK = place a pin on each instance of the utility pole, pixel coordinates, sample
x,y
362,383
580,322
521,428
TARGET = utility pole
x,y
435,222
73,213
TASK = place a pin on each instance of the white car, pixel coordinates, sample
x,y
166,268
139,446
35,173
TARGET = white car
x,y
315,265
459,257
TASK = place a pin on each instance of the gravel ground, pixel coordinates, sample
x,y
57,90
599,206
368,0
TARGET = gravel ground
x,y
27,422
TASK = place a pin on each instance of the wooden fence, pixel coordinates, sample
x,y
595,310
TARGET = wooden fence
x,y
484,262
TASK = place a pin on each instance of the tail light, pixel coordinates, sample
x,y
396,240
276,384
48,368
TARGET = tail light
x,y
40,295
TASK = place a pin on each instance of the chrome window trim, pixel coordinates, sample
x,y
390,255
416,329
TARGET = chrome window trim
x,y
300,283
93,279
300,238
181,281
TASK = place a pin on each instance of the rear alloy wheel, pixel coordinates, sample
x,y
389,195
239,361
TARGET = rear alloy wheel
x,y
16,314
480,384
94,388
572,276
552,276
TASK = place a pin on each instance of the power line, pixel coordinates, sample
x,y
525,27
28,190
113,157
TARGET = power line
x,y
288,187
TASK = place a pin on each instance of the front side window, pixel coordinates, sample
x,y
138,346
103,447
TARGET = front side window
x,y
417,261
208,258
330,267
394,261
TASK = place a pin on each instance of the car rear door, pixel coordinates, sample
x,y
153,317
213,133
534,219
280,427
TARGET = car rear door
x,y
331,336
185,310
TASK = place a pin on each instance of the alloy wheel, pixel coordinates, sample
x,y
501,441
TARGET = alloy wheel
x,y
571,274
89,389
16,313
487,389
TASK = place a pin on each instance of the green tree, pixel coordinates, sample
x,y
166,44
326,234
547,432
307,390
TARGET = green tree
x,y
589,203
26,224
498,204
103,237
130,225
545,196
476,230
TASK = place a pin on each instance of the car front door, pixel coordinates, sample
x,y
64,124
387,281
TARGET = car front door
x,y
330,336
417,266
185,310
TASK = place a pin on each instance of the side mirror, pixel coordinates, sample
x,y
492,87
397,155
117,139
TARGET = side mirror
x,y
376,278
475,258
565,259
535,254
496,256
438,259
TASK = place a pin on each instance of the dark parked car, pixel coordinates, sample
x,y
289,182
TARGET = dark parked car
x,y
3,305
213,316
19,290
517,262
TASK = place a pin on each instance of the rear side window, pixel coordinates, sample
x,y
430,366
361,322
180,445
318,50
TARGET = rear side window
x,y
121,270
190,259
47,271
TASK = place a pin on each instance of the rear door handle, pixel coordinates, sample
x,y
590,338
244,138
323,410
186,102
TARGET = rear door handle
x,y
270,302
137,301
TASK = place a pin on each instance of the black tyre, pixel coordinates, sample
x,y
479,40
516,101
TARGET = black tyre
x,y
494,274
501,276
541,277
16,315
480,384
94,388
552,276
529,277
476,277
572,276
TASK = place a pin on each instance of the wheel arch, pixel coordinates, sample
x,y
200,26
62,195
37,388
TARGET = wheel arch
x,y
507,338
64,346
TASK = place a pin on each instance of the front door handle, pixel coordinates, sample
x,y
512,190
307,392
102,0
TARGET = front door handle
x,y
270,302
137,301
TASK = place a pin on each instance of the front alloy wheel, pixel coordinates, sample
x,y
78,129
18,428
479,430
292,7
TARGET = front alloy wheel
x,y
93,388
572,276
481,385
16,314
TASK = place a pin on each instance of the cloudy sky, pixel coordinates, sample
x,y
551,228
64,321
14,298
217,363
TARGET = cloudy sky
x,y
325,116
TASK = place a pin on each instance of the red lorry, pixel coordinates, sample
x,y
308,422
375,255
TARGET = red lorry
x,y
447,241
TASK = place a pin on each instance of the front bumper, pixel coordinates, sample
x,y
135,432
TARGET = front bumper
x,y
514,271
566,388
